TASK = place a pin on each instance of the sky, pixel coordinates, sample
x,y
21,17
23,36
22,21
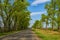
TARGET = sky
x,y
37,7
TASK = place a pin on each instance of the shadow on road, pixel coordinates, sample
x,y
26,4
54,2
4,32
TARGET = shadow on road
x,y
23,35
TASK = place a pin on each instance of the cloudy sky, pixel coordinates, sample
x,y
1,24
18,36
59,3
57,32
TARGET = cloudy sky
x,y
37,7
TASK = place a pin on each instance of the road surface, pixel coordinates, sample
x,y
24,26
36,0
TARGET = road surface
x,y
23,35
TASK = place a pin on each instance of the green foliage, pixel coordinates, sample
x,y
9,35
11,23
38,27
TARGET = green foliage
x,y
52,17
14,16
37,24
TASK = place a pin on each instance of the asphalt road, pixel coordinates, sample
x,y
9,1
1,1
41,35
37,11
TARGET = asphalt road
x,y
23,35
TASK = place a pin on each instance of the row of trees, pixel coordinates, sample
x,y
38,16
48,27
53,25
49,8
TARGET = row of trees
x,y
37,24
14,15
52,17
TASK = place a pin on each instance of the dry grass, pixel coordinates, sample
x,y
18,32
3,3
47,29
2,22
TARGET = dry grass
x,y
47,34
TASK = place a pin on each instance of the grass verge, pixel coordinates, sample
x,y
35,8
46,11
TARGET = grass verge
x,y
47,34
8,33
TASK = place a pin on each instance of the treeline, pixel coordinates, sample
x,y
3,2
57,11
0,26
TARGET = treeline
x,y
52,16
14,15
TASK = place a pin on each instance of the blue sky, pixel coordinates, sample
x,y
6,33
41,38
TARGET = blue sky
x,y
37,7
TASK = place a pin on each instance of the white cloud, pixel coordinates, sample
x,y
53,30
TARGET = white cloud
x,y
39,2
34,14
37,13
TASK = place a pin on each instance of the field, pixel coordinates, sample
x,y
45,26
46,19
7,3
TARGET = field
x,y
47,34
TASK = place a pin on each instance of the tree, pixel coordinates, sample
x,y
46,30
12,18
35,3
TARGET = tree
x,y
58,13
51,11
36,24
15,16
40,24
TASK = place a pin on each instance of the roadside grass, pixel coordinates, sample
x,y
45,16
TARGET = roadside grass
x,y
8,33
47,34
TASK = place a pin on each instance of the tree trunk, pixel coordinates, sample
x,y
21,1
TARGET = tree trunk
x,y
58,27
46,26
52,27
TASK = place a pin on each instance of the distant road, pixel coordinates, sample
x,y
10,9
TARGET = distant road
x,y
23,35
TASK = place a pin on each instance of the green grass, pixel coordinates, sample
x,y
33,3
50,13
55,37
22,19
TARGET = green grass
x,y
8,33
46,35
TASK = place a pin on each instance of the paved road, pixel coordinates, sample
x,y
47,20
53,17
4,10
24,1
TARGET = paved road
x,y
23,35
